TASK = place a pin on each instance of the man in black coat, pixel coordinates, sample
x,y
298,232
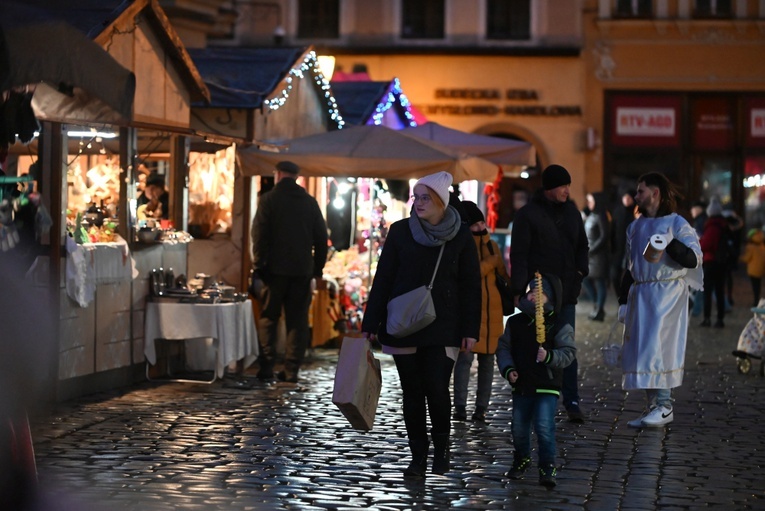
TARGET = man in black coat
x,y
548,236
622,216
289,249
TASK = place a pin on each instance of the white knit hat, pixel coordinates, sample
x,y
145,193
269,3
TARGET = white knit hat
x,y
439,183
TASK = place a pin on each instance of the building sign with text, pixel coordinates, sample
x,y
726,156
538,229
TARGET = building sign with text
x,y
755,116
494,103
644,120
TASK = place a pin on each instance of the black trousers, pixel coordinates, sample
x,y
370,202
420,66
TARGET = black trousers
x,y
293,295
714,281
756,285
425,378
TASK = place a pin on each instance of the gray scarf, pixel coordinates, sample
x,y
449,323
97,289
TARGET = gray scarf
x,y
431,235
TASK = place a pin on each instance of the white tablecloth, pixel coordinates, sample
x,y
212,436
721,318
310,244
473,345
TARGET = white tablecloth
x,y
232,324
90,264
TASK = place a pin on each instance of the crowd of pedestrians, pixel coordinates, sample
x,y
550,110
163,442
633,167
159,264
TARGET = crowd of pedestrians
x,y
554,245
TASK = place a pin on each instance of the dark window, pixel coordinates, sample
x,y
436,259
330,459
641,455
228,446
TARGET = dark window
x,y
318,19
422,19
508,19
713,9
634,8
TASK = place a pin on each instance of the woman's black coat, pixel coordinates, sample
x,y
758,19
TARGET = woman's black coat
x,y
405,265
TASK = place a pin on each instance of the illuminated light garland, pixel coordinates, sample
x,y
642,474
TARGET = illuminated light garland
x,y
539,314
310,65
395,96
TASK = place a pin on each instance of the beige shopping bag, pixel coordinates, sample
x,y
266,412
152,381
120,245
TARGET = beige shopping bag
x,y
358,382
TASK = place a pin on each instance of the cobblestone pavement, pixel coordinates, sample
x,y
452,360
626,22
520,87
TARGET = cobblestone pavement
x,y
177,446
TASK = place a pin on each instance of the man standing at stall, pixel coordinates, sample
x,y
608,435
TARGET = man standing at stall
x,y
289,249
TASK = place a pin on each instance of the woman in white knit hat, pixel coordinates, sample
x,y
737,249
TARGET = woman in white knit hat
x,y
425,359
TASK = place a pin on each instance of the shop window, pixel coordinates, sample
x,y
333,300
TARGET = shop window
x,y
634,8
211,192
422,19
93,182
508,19
713,9
318,19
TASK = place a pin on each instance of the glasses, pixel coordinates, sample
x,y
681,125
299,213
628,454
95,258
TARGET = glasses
x,y
422,198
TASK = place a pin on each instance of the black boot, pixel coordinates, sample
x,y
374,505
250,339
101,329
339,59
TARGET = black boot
x,y
419,463
441,463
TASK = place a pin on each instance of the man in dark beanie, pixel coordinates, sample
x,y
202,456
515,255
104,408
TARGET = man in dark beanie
x,y
555,176
548,237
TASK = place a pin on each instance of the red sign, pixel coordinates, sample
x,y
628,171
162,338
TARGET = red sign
x,y
646,121
713,123
755,121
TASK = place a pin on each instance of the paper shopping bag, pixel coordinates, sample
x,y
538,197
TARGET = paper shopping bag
x,y
358,382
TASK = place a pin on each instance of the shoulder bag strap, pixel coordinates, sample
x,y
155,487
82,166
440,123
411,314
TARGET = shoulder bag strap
x,y
430,286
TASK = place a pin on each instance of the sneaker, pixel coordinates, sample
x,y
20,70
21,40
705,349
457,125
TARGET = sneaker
x,y
638,423
547,476
288,378
575,415
659,416
480,414
460,413
520,465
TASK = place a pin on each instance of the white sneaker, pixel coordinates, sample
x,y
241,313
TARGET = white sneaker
x,y
659,416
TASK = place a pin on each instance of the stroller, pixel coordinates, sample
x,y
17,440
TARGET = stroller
x,y
751,342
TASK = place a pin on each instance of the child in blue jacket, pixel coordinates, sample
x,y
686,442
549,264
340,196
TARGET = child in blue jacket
x,y
535,372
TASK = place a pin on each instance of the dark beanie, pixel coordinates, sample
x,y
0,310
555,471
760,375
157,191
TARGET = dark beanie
x,y
472,212
156,179
554,176
288,167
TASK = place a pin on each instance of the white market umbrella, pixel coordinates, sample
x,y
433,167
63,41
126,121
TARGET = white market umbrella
x,y
502,151
371,151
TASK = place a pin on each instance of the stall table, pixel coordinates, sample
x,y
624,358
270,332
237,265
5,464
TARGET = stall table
x,y
231,325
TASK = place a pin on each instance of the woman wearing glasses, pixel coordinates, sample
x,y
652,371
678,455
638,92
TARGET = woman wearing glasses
x,y
425,359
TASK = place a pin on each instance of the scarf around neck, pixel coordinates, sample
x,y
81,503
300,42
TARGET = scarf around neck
x,y
430,235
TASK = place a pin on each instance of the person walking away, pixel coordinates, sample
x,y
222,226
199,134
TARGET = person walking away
x,y
735,226
548,236
754,257
714,248
535,372
622,216
699,218
491,263
654,299
597,229
289,249
425,359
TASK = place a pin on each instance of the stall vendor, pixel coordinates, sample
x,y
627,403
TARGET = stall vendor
x,y
153,202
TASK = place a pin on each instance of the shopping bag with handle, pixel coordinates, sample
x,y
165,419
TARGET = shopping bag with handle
x,y
358,381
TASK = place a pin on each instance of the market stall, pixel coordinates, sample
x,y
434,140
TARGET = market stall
x,y
366,187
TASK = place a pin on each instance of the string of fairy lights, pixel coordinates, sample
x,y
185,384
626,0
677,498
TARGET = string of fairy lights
x,y
308,65
395,96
